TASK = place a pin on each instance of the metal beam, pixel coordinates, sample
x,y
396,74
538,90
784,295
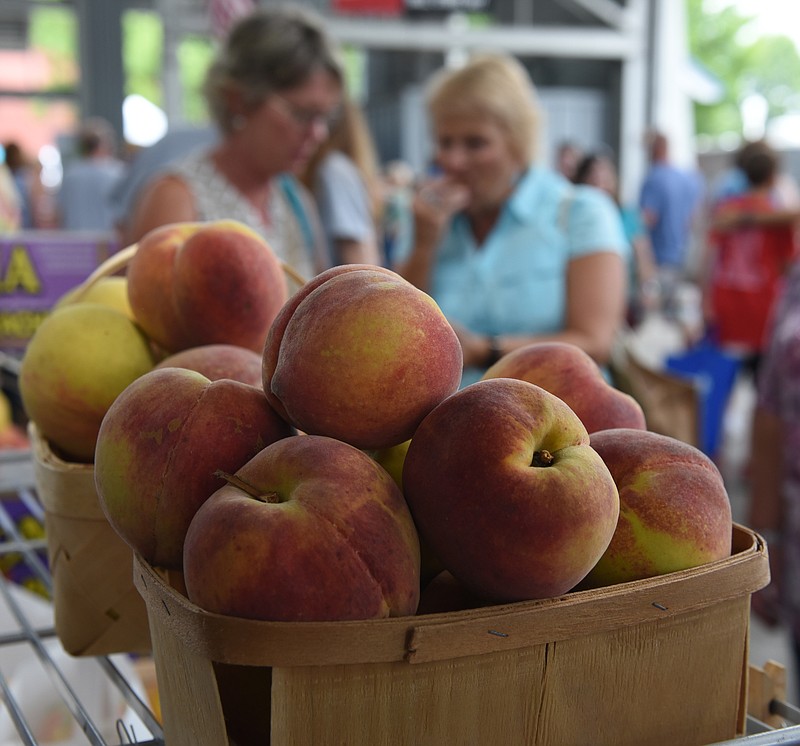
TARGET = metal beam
x,y
554,41
604,10
100,48
633,106
523,12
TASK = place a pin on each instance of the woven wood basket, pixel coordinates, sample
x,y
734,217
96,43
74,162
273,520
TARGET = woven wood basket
x,y
97,609
656,661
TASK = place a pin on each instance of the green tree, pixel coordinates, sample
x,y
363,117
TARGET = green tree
x,y
54,32
143,55
194,56
142,51
769,66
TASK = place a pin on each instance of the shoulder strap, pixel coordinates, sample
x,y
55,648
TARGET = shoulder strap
x,y
289,187
564,209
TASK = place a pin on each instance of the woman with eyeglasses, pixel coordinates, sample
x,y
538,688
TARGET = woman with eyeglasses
x,y
272,91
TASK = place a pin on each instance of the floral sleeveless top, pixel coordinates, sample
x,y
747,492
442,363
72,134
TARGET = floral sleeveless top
x,y
288,232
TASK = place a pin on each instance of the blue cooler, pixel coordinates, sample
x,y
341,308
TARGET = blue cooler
x,y
713,372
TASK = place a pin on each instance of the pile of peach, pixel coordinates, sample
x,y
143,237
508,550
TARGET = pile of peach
x,y
311,457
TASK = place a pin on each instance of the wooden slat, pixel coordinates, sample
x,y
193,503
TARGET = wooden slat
x,y
674,681
765,684
600,610
187,690
98,610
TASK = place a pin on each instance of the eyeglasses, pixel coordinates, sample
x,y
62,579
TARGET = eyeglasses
x,y
306,119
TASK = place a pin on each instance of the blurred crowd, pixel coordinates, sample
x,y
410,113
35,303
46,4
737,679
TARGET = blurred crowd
x,y
92,168
514,250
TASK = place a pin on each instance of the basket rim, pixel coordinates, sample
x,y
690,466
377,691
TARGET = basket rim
x,y
428,637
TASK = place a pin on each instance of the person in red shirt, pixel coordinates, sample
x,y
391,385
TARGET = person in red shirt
x,y
750,245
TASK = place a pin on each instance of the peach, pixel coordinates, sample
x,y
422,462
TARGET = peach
x,y
444,594
571,374
310,529
81,357
361,357
392,459
191,284
12,436
278,328
505,488
219,361
108,291
674,508
160,446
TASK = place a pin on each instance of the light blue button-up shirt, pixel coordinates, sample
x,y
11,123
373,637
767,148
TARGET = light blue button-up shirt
x,y
516,283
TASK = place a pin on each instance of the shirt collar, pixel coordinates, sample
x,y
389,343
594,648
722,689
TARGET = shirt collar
x,y
527,192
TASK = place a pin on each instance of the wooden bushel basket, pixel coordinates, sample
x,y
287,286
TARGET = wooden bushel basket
x,y
655,661
97,609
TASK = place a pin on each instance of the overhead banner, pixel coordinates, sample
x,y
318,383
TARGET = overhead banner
x,y
371,7
412,7
36,269
446,6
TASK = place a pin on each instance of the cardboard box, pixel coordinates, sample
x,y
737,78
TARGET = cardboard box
x,y
655,661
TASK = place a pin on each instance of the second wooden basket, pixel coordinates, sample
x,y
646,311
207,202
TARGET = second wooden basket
x,y
97,609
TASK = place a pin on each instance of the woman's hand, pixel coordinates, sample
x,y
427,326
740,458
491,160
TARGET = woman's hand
x,y
444,193
435,203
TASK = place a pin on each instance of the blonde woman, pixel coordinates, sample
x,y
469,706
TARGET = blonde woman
x,y
344,178
512,252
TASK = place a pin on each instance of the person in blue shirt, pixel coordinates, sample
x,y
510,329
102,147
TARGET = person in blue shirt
x,y
84,198
598,169
670,198
511,251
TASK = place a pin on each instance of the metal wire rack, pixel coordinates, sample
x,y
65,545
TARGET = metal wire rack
x,y
27,555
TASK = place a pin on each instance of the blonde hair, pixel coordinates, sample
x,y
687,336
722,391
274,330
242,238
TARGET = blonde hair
x,y
495,86
351,135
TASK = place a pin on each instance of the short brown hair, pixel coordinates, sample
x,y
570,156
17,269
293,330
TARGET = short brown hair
x,y
268,50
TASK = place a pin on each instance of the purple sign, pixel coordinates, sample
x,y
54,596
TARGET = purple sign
x,y
36,269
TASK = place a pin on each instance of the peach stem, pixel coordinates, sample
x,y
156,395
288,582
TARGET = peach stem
x,y
293,274
232,479
542,458
114,263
